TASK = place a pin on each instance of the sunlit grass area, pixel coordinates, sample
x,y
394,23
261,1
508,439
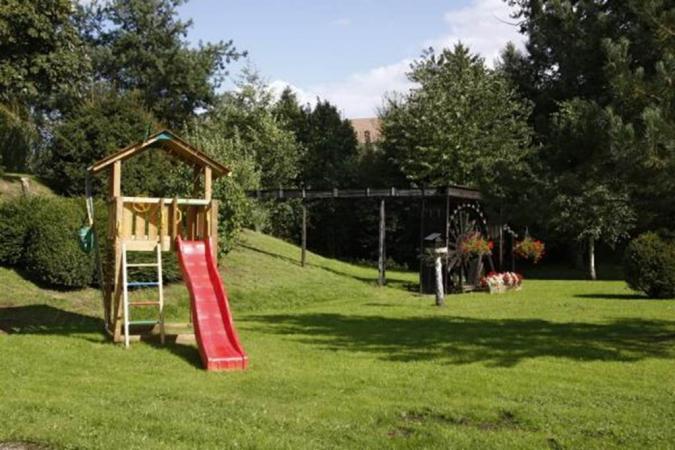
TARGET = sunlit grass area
x,y
336,362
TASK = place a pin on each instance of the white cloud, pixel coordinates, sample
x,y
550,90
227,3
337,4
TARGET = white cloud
x,y
342,22
360,94
485,26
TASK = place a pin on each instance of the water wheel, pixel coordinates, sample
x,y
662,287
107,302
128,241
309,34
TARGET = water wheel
x,y
465,270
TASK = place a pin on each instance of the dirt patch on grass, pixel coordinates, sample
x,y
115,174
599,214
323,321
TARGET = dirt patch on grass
x,y
22,445
505,420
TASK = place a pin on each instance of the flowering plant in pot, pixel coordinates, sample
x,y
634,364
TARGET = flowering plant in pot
x,y
531,249
501,282
474,244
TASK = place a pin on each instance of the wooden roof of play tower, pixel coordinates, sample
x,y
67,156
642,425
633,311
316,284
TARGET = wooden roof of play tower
x,y
173,145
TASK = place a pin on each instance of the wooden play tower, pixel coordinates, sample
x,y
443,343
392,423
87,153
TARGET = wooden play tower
x,y
151,224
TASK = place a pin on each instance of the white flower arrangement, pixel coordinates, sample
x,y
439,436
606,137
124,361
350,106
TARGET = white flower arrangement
x,y
502,282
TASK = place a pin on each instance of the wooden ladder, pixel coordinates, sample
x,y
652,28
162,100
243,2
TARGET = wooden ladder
x,y
126,284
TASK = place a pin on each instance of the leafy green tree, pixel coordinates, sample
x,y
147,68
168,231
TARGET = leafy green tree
x,y
245,115
464,124
102,124
242,131
40,63
141,45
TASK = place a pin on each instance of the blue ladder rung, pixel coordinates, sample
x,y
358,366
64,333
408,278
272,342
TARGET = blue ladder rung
x,y
142,283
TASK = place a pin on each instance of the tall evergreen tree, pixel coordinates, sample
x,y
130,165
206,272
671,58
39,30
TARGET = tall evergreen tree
x,y
330,146
600,75
141,45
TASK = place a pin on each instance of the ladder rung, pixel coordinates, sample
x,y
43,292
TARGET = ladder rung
x,y
142,264
142,283
143,303
143,322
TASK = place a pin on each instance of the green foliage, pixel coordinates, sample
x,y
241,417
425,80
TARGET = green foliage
x,y
600,76
330,148
649,265
243,133
99,126
14,223
52,254
40,51
465,124
41,63
142,45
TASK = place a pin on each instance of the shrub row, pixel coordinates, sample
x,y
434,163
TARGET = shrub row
x,y
649,265
39,235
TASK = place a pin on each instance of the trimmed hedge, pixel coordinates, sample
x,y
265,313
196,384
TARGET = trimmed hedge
x,y
41,235
52,254
14,221
649,265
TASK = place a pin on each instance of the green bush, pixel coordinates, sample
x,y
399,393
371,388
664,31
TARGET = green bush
x,y
52,253
14,221
649,265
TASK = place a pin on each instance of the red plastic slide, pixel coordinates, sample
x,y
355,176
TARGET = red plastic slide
x,y
217,339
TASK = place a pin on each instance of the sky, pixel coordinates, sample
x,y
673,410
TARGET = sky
x,y
350,52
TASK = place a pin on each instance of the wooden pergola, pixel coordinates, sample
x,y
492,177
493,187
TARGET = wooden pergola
x,y
449,193
147,224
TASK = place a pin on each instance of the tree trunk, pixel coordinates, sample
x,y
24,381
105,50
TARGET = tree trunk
x,y
591,258
440,295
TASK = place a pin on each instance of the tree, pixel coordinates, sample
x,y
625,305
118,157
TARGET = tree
x,y
242,131
141,45
600,75
288,111
102,124
464,124
40,63
245,114
331,147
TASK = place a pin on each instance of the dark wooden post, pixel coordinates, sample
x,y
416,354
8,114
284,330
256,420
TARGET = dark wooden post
x,y
421,252
381,279
513,255
303,255
501,247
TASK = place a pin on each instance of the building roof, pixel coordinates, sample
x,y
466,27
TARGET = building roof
x,y
367,129
172,144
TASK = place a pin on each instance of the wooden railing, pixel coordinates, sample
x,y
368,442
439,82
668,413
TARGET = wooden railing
x,y
144,221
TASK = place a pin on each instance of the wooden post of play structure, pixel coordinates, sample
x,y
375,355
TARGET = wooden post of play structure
x,y
143,224
303,238
381,277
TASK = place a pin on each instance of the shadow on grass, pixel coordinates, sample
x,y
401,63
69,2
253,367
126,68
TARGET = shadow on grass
x,y
555,271
48,320
613,296
392,280
293,261
45,319
459,340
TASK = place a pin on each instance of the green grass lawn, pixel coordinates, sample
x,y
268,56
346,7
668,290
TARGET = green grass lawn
x,y
336,362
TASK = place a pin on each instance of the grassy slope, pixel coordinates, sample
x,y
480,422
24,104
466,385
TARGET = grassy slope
x,y
338,362
10,186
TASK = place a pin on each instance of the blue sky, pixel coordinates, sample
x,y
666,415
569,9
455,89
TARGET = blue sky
x,y
350,51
